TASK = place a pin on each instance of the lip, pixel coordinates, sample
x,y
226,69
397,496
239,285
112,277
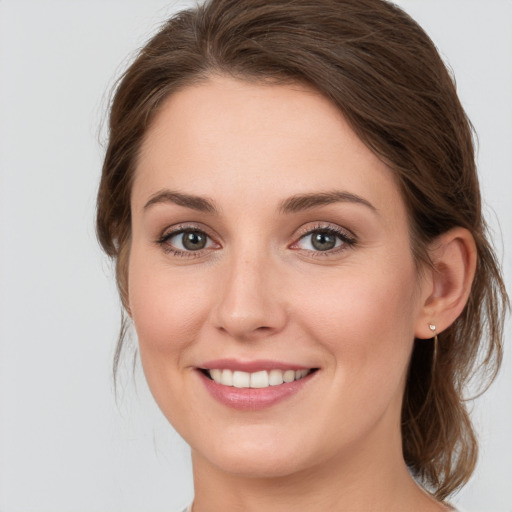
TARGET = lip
x,y
252,399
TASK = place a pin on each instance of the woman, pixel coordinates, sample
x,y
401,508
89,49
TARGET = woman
x,y
290,195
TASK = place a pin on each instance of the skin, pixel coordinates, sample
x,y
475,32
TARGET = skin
x,y
260,290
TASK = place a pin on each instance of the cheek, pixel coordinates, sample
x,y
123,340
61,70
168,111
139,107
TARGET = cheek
x,y
167,311
365,319
365,324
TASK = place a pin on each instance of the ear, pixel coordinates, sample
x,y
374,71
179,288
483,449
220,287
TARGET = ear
x,y
448,283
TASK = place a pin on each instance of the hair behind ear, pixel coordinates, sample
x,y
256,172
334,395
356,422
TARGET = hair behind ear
x,y
439,442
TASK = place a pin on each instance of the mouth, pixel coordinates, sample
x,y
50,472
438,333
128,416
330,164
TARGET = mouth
x,y
256,385
255,380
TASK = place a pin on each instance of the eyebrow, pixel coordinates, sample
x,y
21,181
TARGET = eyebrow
x,y
307,201
198,203
293,204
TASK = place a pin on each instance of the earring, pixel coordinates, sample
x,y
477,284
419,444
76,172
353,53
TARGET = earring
x,y
432,327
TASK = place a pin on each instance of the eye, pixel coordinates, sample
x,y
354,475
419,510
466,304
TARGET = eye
x,y
189,240
324,239
183,241
320,241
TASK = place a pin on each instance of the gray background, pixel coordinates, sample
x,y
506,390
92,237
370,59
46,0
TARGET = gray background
x,y
65,445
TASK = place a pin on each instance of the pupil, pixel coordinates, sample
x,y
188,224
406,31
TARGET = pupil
x,y
324,241
194,240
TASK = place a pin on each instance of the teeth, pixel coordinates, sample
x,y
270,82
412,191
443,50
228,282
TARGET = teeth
x,y
275,377
241,379
216,375
289,376
302,373
226,377
261,379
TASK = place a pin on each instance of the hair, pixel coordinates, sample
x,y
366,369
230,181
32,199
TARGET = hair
x,y
384,74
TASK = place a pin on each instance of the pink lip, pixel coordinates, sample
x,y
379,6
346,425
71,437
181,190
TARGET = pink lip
x,y
250,366
253,399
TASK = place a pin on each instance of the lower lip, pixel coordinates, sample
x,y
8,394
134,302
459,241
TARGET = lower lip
x,y
253,399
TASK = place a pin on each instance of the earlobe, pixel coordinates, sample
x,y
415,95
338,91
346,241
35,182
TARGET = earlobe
x,y
453,255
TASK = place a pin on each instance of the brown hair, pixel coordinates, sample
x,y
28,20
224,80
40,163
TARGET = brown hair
x,y
384,74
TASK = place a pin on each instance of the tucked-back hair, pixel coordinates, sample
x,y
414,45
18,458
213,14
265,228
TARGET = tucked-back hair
x,y
381,70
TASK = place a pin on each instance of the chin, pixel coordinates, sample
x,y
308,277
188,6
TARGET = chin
x,y
272,455
259,465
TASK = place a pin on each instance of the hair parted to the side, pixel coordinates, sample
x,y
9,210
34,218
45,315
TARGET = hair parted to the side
x,y
385,75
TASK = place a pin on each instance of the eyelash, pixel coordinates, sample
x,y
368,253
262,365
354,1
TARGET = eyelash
x,y
163,241
346,238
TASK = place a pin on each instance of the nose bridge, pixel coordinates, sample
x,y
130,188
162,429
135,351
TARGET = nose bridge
x,y
248,302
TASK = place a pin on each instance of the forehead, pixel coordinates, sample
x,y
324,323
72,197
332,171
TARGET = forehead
x,y
229,137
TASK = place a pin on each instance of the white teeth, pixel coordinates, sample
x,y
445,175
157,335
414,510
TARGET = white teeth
x,y
226,378
216,375
241,379
289,376
261,379
275,377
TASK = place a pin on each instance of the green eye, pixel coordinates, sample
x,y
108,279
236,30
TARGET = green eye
x,y
185,241
192,240
323,241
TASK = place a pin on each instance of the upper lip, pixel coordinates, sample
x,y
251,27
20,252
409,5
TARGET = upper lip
x,y
251,366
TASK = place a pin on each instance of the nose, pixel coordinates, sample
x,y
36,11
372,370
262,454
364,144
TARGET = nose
x,y
250,301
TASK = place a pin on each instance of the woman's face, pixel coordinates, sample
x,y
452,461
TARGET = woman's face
x,y
268,239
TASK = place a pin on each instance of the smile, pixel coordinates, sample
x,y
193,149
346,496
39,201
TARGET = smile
x,y
258,380
256,385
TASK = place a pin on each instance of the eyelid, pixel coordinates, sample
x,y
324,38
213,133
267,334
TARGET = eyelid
x,y
324,226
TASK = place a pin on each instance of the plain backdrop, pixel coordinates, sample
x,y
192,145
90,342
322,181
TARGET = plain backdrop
x,y
65,444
